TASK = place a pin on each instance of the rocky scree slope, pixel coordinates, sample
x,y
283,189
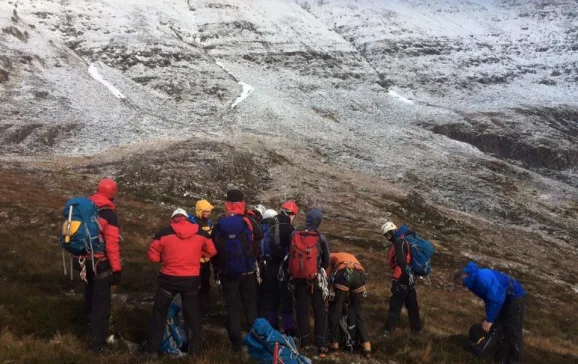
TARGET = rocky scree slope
x,y
431,95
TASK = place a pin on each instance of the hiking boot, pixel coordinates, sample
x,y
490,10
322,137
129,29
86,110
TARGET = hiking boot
x,y
417,332
333,351
322,353
366,354
95,351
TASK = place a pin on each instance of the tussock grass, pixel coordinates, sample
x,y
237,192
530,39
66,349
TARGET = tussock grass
x,y
41,316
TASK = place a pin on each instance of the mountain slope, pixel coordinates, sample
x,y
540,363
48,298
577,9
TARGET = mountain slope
x,y
431,96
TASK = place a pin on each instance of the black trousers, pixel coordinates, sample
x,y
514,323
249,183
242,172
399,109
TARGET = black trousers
x,y
169,287
403,294
240,293
204,298
97,301
306,291
286,307
269,294
511,318
355,317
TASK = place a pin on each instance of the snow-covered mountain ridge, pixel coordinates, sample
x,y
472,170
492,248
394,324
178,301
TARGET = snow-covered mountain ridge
x,y
472,103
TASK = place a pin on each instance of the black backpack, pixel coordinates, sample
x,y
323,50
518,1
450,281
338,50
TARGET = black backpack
x,y
485,344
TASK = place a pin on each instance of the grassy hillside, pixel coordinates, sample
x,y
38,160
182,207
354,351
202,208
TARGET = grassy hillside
x,y
41,317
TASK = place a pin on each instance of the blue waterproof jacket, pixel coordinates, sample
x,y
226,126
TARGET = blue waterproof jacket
x,y
494,287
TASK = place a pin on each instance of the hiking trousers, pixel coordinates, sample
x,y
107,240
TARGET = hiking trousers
x,y
511,318
97,301
355,318
403,293
204,297
286,308
305,291
169,287
269,295
240,293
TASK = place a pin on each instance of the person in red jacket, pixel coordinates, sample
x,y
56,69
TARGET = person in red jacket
x,y
179,248
107,269
402,284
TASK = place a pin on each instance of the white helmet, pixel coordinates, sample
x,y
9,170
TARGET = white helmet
x,y
269,213
260,209
387,227
179,211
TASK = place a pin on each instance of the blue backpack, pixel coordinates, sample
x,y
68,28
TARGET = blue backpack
x,y
238,239
421,253
261,341
270,244
81,230
265,243
175,340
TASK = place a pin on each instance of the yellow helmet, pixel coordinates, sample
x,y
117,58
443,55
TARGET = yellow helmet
x,y
202,206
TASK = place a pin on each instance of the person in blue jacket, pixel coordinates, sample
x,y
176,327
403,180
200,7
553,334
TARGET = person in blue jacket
x,y
504,300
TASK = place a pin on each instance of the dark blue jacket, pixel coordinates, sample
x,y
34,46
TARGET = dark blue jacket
x,y
312,223
494,287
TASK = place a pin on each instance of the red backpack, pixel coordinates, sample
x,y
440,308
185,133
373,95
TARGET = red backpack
x,y
303,254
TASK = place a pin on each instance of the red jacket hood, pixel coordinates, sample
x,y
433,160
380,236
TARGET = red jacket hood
x,y
235,208
101,201
183,228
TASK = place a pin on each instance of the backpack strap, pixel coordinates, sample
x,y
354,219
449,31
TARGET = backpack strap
x,y
277,231
245,241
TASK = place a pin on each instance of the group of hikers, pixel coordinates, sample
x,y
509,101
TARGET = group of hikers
x,y
267,269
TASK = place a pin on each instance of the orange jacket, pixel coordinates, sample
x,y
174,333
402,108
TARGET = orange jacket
x,y
338,261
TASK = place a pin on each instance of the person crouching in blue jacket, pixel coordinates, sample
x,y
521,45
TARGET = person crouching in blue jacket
x,y
504,300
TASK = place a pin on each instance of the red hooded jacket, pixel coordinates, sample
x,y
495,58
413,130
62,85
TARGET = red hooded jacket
x,y
398,249
179,248
108,220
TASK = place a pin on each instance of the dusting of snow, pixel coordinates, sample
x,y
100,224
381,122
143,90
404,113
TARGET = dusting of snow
x,y
93,70
247,90
399,97
575,288
320,73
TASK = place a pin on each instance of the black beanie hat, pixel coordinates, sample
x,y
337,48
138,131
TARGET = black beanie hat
x,y
235,196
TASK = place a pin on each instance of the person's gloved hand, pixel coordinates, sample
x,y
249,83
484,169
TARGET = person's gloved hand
x,y
116,278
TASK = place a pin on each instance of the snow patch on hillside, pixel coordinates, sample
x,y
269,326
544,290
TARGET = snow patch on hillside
x,y
93,71
247,90
399,97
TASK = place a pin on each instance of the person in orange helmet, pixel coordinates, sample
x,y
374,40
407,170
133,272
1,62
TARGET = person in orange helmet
x,y
107,266
289,211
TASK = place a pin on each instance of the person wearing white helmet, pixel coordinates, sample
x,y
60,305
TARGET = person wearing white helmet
x,y
178,247
402,284
274,297
268,300
269,213
257,212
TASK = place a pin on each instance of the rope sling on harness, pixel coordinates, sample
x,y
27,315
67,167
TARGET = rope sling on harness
x,y
346,328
